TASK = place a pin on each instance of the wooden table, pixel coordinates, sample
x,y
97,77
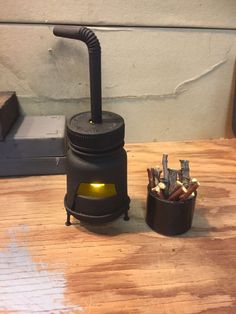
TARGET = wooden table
x,y
123,267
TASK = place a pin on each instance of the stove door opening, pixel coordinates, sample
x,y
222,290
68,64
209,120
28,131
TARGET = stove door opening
x,y
97,190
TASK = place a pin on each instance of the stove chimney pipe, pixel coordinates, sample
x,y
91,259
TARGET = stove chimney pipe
x,y
89,38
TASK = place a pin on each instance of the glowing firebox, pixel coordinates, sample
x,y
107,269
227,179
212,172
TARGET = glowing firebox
x,y
96,190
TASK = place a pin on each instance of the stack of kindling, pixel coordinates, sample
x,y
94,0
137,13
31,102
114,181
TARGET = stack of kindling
x,y
173,185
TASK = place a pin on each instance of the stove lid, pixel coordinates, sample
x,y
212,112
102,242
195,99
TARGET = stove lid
x,y
86,136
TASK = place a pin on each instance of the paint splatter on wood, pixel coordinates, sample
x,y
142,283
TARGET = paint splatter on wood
x,y
27,287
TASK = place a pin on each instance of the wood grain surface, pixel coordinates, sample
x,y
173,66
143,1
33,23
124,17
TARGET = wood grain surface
x,y
122,267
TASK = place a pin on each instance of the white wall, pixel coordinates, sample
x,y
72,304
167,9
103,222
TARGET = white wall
x,y
169,81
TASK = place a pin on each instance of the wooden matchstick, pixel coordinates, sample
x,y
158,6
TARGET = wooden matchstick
x,y
191,196
180,175
162,185
150,178
155,178
158,191
185,172
175,195
165,167
190,190
193,180
172,179
157,173
177,185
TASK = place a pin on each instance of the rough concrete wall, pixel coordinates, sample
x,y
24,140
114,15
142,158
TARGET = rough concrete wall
x,y
170,13
168,83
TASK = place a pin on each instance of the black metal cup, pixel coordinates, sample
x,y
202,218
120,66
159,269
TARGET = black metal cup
x,y
169,217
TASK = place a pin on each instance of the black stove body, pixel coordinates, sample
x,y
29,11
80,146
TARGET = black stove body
x,y
96,159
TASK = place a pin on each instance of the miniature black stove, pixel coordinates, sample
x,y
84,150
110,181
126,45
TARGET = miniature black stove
x,y
96,159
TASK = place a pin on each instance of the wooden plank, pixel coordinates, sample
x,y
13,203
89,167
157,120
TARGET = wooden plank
x,y
35,137
122,267
170,13
32,166
9,111
35,145
161,78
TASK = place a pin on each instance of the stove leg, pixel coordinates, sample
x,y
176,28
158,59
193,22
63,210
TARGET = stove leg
x,y
67,223
126,216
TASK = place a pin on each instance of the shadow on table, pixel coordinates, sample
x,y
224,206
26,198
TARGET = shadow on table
x,y
136,224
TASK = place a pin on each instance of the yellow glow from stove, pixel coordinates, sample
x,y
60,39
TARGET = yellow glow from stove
x,y
96,190
97,185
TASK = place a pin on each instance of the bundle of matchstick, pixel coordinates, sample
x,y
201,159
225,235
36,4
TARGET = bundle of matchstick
x,y
173,185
